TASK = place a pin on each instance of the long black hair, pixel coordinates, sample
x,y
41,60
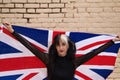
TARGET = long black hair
x,y
70,52
53,54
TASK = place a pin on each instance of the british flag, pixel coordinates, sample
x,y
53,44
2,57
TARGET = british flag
x,y
18,63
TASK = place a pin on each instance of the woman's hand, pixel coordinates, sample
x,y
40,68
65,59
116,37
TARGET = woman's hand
x,y
117,38
9,27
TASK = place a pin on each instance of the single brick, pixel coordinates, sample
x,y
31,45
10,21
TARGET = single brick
x,y
31,5
19,1
60,5
18,10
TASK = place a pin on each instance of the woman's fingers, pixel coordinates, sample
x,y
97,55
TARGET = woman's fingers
x,y
6,24
9,27
117,38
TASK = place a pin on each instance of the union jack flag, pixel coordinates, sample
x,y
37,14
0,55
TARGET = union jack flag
x,y
18,63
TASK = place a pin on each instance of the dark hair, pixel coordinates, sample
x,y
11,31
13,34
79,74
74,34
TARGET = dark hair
x,y
70,52
53,53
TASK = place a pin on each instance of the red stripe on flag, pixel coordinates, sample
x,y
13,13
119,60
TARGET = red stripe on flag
x,y
1,28
101,60
29,76
57,32
20,63
8,33
82,75
93,44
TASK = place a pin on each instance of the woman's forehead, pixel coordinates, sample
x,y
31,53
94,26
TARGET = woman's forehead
x,y
62,41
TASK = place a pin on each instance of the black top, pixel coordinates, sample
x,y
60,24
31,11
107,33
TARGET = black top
x,y
63,68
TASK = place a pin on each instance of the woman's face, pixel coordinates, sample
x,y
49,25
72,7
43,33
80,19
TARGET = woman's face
x,y
62,48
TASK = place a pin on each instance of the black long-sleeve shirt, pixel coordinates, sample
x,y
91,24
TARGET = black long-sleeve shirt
x,y
63,68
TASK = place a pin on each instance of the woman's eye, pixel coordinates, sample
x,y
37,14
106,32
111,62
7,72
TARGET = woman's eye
x,y
63,44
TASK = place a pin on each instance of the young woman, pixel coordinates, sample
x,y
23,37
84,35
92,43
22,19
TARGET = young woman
x,y
60,61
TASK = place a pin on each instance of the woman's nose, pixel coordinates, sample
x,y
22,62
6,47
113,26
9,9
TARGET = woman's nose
x,y
61,47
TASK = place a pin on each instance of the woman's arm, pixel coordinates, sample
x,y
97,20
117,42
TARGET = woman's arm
x,y
42,56
82,59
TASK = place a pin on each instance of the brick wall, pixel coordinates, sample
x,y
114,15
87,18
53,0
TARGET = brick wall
x,y
96,16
